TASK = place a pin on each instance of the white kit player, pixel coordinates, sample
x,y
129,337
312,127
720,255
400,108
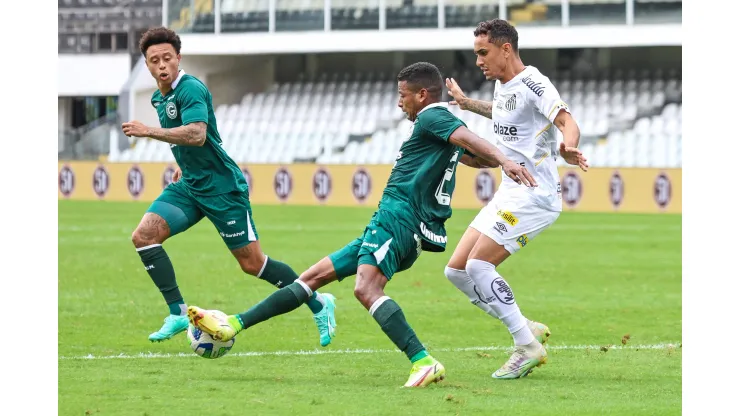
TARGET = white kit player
x,y
525,107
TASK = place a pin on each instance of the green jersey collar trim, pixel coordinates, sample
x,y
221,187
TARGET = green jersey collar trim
x,y
429,106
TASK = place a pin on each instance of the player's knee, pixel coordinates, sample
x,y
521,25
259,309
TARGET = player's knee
x,y
253,264
477,268
141,237
453,274
365,291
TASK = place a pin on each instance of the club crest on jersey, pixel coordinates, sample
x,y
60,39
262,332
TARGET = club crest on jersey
x,y
171,110
536,87
507,102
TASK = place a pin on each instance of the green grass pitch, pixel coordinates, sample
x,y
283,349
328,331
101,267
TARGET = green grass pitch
x,y
593,278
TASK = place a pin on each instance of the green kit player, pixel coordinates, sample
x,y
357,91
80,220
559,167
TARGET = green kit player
x,y
207,184
410,219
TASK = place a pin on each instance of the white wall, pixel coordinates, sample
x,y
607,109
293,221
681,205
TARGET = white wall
x,y
92,75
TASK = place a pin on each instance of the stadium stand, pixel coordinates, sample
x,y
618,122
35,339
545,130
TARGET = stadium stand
x,y
628,120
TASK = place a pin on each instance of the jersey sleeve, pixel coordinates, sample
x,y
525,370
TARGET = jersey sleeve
x,y
549,103
193,105
439,123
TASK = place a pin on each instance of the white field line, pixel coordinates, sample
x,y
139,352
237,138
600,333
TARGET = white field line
x,y
150,355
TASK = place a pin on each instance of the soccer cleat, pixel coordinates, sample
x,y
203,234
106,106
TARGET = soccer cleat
x,y
325,319
173,325
522,362
425,371
540,331
214,323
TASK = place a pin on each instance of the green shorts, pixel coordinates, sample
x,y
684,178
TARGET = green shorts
x,y
230,213
385,244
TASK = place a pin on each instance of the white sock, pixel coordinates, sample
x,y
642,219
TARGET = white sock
x,y
462,281
499,297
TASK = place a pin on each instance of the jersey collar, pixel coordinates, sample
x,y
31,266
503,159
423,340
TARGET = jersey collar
x,y
441,104
177,80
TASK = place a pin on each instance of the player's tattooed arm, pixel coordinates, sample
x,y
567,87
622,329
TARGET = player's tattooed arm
x,y
491,155
193,134
480,107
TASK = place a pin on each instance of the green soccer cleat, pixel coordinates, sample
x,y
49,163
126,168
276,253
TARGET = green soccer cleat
x,y
522,362
212,322
540,331
173,325
325,319
425,372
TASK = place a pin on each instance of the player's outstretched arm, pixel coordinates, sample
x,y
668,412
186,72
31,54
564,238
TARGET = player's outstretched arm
x,y
475,162
491,155
193,134
571,137
480,107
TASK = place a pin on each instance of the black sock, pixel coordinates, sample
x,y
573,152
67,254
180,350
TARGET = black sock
x,y
158,265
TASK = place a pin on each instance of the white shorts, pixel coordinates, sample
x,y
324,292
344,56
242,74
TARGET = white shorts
x,y
513,223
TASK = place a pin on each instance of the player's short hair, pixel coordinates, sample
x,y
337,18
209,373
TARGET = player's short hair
x,y
499,31
423,75
157,36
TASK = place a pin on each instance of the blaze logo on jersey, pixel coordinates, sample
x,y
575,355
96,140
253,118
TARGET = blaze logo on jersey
x,y
135,181
100,181
171,110
507,133
66,181
662,190
536,87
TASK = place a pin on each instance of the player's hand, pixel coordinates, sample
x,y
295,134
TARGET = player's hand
x,y
573,156
455,92
177,175
519,174
135,129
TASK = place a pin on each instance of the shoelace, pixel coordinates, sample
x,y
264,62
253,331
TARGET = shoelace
x,y
515,358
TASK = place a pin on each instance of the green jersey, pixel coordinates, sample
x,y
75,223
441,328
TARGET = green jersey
x,y
207,169
419,190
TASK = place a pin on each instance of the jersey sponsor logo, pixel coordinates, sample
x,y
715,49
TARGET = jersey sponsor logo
x,y
502,291
171,110
536,87
485,186
101,181
616,190
572,189
321,184
507,133
283,184
508,217
247,177
66,181
430,235
361,185
371,245
135,181
501,228
522,240
167,176
233,235
662,190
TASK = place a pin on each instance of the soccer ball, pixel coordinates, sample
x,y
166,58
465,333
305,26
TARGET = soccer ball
x,y
204,345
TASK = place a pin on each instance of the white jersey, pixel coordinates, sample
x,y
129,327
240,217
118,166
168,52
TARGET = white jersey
x,y
523,112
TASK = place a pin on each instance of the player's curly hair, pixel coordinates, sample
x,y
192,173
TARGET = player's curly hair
x,y
157,36
423,75
499,31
